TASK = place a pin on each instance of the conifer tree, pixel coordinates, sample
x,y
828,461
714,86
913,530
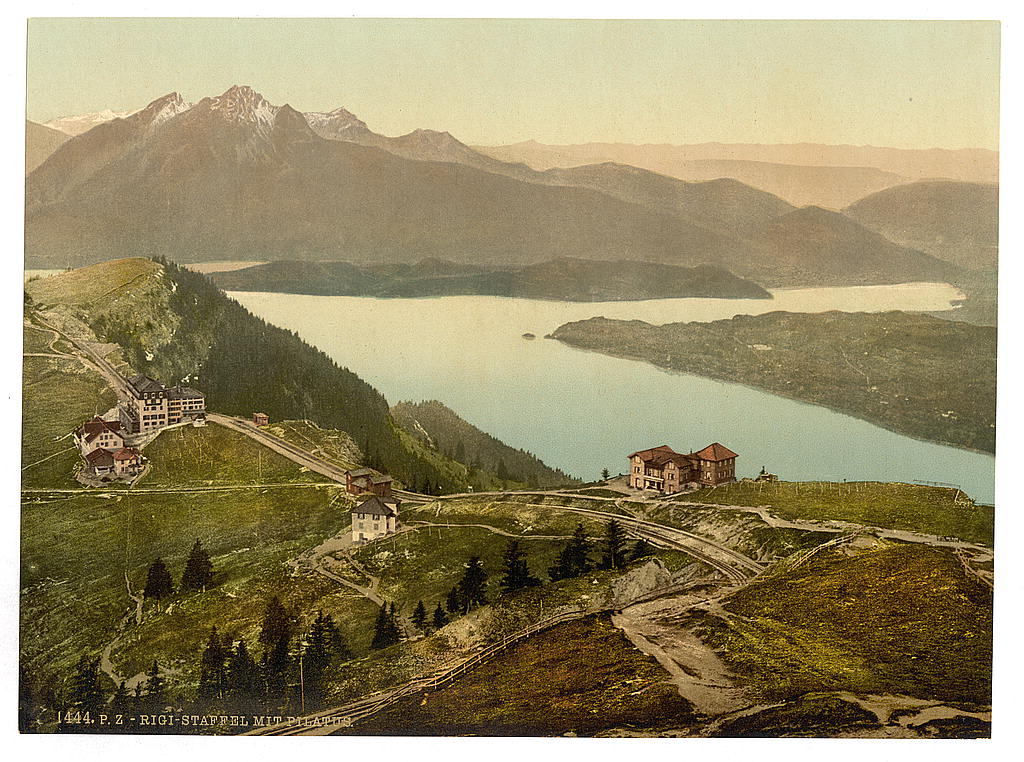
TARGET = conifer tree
x,y
158,581
86,690
419,616
385,629
324,646
276,623
641,549
516,571
614,547
275,670
453,602
212,668
155,689
121,703
198,572
604,474
244,684
440,618
473,585
394,631
574,558
336,640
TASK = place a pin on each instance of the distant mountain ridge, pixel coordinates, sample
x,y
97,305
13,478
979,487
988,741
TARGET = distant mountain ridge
x,y
40,142
833,176
235,177
561,279
954,221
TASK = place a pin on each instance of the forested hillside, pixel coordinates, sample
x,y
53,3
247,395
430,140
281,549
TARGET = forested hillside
x,y
434,423
175,325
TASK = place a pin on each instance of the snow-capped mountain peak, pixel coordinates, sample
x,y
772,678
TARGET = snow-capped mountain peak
x,y
240,103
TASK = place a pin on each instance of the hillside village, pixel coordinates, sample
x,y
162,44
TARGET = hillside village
x,y
111,448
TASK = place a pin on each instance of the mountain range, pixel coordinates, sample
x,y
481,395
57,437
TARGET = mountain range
x,y
832,176
235,177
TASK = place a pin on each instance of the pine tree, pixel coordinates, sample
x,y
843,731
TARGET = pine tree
x,y
574,558
385,629
614,547
276,623
641,549
244,684
336,640
419,616
86,690
453,602
604,474
156,686
473,585
121,703
394,631
503,471
212,668
324,646
198,572
440,618
275,670
158,581
516,571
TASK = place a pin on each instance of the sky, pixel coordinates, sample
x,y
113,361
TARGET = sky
x,y
905,84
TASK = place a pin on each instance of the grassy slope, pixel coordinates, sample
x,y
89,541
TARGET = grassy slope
x,y
330,444
580,677
916,507
72,599
57,396
901,619
914,374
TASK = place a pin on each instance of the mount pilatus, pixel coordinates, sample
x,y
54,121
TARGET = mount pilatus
x,y
235,177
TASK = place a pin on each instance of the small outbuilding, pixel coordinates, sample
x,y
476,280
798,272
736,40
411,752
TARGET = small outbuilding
x,y
260,419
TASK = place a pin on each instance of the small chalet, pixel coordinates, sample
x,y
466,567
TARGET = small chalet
x,y
124,462
99,434
667,471
374,517
260,419
363,481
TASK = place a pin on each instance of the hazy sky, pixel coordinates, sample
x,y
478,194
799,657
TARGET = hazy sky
x,y
906,84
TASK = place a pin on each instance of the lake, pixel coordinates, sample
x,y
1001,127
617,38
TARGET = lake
x,y
582,411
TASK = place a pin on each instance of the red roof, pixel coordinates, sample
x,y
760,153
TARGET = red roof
x,y
126,453
99,457
648,454
91,429
716,451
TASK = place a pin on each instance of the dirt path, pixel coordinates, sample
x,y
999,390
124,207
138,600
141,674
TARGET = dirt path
x,y
697,672
414,525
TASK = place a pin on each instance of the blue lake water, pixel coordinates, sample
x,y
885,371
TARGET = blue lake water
x,y
582,411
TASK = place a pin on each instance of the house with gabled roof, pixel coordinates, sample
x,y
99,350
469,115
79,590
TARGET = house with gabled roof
x,y
374,517
665,470
99,434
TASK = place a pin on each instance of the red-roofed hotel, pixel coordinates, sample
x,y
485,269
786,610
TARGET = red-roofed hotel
x,y
665,470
